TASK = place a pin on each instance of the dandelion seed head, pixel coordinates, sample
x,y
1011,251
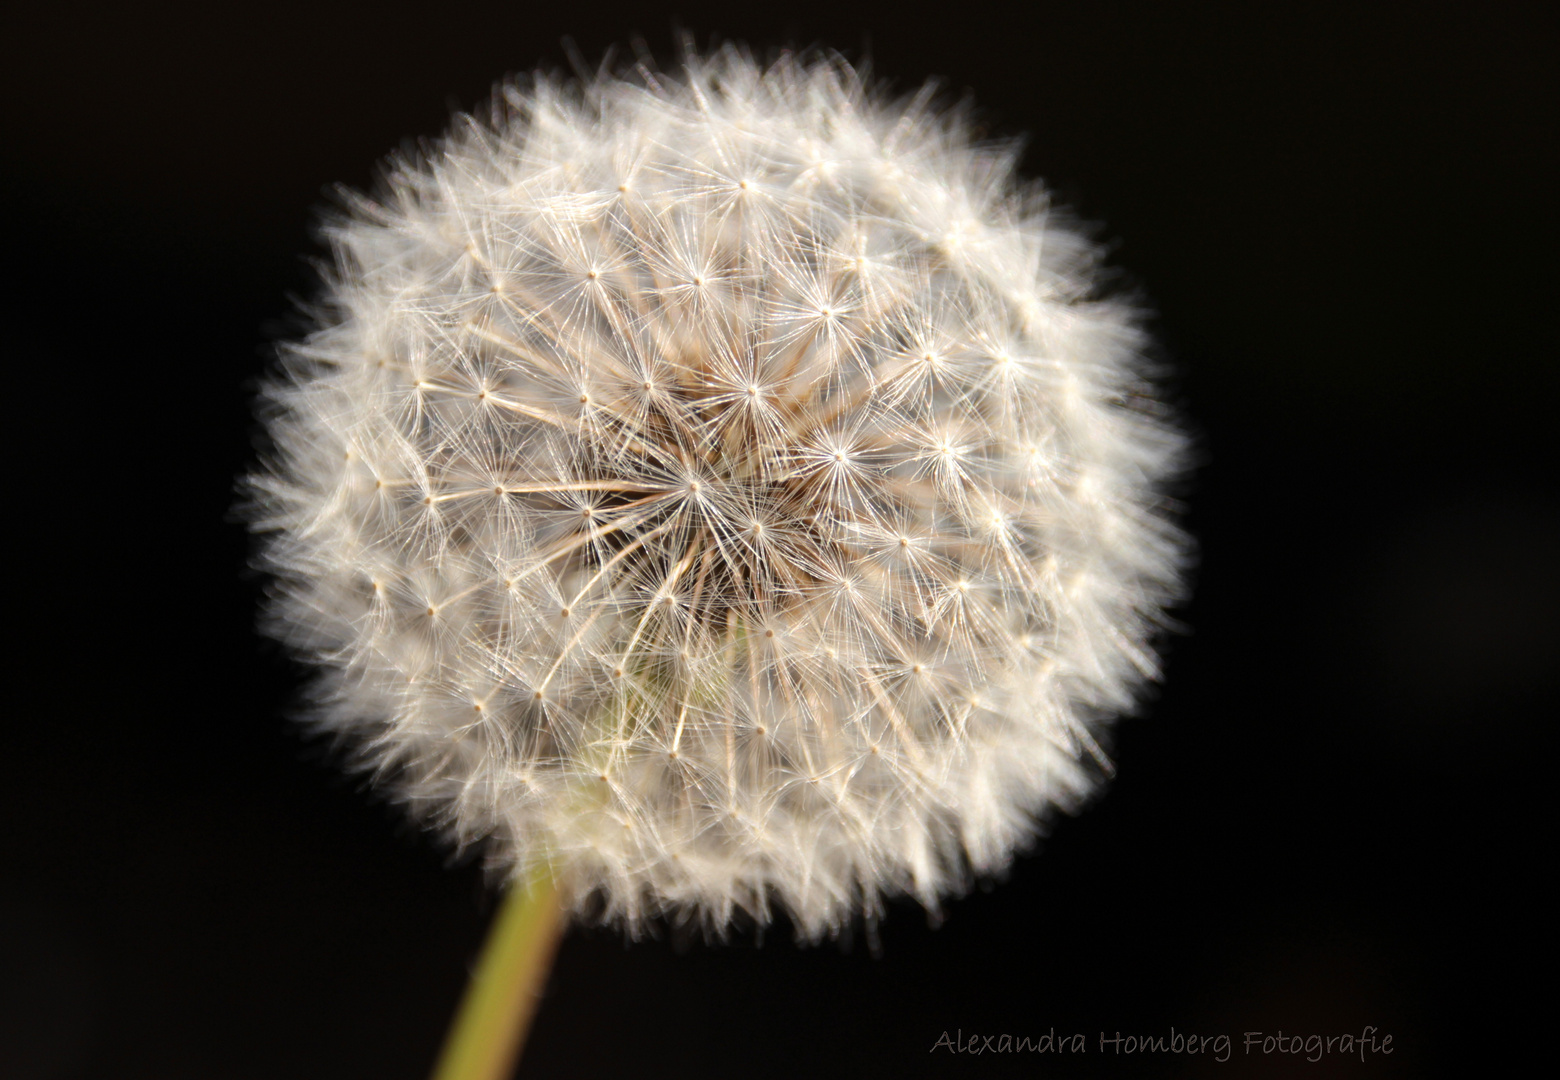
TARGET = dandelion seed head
x,y
723,488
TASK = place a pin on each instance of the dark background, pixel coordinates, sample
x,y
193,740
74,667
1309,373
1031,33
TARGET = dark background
x,y
1344,215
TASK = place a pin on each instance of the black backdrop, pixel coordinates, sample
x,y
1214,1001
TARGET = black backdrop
x,y
1344,215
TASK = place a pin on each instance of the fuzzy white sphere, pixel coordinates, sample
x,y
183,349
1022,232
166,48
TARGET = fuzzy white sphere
x,y
721,489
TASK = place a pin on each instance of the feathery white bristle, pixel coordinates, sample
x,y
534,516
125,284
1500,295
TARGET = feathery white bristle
x,y
721,488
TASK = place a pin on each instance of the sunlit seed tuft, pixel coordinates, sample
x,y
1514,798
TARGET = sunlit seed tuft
x,y
758,510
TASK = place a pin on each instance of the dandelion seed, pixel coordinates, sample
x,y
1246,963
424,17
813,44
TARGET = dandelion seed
x,y
820,540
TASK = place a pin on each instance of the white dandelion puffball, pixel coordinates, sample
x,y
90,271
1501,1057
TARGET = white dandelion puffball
x,y
721,489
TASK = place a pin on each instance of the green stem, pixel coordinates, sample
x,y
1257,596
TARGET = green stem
x,y
484,1041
